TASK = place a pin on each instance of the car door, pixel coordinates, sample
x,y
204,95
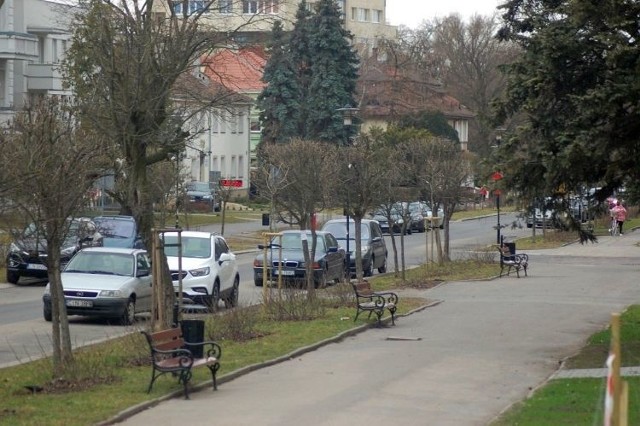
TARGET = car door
x,y
378,245
335,259
143,283
226,270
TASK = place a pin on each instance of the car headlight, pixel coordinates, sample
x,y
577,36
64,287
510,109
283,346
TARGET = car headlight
x,y
111,293
364,249
200,272
47,289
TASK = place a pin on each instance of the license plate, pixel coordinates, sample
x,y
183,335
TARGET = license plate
x,y
80,303
38,266
286,272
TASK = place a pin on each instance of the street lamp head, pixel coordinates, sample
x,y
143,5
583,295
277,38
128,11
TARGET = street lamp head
x,y
348,112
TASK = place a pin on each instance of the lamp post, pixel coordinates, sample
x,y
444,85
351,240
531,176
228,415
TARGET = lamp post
x,y
497,176
348,112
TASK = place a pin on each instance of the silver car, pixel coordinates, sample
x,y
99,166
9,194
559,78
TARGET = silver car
x,y
105,282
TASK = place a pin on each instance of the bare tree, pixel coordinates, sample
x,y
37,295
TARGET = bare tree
x,y
442,171
473,56
48,164
134,68
364,169
305,168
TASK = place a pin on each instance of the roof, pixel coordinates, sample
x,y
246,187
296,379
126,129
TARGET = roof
x,y
238,70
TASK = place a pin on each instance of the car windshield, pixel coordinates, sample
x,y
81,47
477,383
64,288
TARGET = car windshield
x,y
94,262
198,186
196,247
339,230
294,242
72,237
114,228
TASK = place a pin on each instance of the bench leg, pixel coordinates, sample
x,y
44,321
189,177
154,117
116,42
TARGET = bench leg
x,y
185,376
214,371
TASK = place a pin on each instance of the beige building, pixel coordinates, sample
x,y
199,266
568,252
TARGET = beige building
x,y
249,21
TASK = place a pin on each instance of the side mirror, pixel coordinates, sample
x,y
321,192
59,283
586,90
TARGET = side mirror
x,y
333,249
142,272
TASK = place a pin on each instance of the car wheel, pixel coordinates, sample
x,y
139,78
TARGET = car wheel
x,y
129,315
47,314
321,282
232,300
214,299
369,271
13,277
340,277
383,269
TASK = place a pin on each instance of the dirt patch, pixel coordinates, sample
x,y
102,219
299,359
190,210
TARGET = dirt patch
x,y
62,385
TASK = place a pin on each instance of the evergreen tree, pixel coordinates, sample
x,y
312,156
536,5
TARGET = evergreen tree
x,y
433,121
322,68
279,101
577,82
334,72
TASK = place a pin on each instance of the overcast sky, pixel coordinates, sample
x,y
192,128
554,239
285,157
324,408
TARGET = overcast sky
x,y
412,12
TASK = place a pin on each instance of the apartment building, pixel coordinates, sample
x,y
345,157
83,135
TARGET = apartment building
x,y
33,39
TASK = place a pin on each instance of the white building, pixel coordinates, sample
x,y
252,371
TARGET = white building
x,y
33,39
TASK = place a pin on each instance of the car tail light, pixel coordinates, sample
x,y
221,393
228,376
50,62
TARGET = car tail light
x,y
257,263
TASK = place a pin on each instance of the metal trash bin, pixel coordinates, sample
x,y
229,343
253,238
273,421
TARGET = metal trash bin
x,y
193,332
512,249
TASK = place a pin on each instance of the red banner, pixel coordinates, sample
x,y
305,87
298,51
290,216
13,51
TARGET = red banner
x,y
236,183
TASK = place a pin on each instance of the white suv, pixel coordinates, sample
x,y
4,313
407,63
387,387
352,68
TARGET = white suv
x,y
209,268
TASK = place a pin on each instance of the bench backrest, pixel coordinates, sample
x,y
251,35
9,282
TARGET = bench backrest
x,y
363,288
167,340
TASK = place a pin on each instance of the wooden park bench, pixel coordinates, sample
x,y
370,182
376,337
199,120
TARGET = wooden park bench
x,y
374,302
511,261
170,353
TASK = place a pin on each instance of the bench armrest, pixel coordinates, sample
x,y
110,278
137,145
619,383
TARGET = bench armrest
x,y
389,296
212,349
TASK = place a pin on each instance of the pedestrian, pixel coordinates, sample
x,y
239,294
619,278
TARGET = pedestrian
x,y
619,213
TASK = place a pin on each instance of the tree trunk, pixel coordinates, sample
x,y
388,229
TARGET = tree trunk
x,y
61,336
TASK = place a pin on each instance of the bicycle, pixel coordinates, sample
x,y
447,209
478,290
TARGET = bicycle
x,y
614,230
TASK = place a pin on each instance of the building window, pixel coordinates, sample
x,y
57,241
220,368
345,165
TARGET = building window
x,y
241,167
223,121
377,16
225,6
241,122
223,166
359,14
262,7
255,125
234,167
193,6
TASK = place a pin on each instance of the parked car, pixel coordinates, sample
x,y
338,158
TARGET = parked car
x,y
105,282
373,247
201,196
27,255
119,231
548,219
396,215
328,264
209,268
419,211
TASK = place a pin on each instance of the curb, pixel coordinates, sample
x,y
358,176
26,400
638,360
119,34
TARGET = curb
x,y
253,367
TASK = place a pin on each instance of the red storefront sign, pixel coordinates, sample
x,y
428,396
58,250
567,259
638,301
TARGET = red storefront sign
x,y
236,183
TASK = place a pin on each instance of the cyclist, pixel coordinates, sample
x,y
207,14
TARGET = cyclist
x,y
619,213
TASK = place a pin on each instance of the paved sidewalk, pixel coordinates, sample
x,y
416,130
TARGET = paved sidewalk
x,y
488,345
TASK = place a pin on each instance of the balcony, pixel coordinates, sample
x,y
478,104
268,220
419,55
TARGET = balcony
x,y
18,46
44,77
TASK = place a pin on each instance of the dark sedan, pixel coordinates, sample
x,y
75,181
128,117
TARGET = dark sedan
x,y
328,264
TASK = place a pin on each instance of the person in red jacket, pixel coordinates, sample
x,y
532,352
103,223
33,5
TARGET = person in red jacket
x,y
619,213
